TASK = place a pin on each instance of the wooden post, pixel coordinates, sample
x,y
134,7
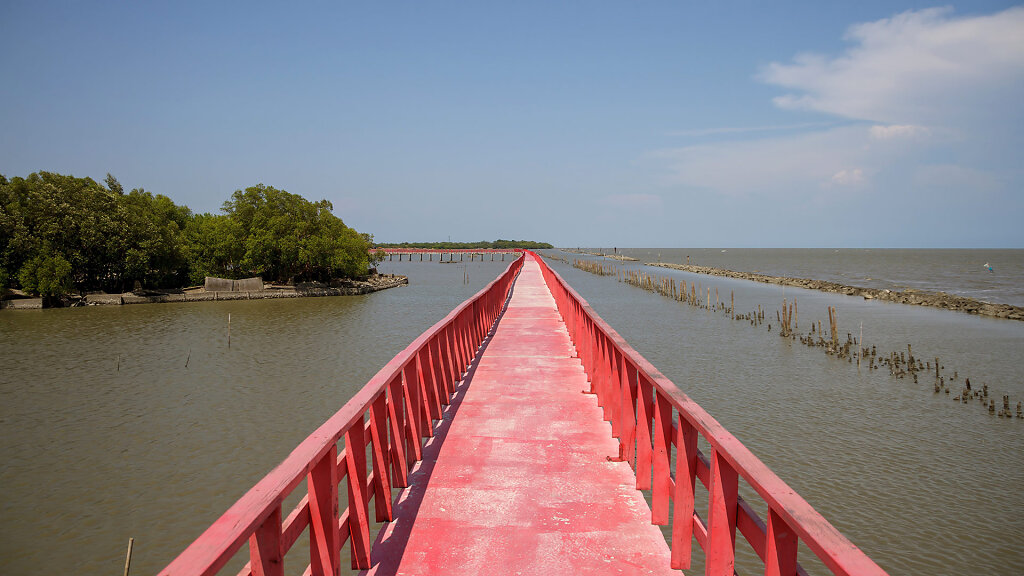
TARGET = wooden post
x,y
265,556
324,536
721,542
128,557
358,497
683,499
381,459
780,547
661,459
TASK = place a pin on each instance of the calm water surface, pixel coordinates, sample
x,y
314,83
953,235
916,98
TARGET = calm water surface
x,y
961,272
922,484
91,455
155,450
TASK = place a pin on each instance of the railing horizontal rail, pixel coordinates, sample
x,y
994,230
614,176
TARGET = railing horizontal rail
x,y
389,417
639,400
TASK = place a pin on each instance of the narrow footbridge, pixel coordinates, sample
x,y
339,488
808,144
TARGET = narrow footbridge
x,y
519,435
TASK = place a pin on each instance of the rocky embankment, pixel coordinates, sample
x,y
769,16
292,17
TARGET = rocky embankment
x,y
618,257
372,283
936,299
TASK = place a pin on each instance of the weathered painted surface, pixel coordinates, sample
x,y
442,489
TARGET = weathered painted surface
x,y
519,479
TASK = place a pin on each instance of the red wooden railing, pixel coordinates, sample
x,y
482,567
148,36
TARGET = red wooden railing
x,y
639,402
391,416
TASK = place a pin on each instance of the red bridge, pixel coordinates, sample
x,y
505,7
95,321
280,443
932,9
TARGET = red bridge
x,y
519,435
472,253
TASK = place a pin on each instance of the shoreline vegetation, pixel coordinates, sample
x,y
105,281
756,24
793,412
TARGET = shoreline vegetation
x,y
63,238
909,296
372,283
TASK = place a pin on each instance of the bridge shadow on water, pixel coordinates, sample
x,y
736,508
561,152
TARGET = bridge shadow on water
x,y
390,545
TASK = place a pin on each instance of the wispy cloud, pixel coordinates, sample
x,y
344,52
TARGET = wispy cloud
x,y
894,131
900,91
922,67
750,129
793,166
848,177
632,201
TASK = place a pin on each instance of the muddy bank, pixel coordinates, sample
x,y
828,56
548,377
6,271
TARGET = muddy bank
x,y
935,299
373,283
618,257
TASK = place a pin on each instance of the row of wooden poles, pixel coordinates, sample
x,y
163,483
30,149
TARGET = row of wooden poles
x,y
825,338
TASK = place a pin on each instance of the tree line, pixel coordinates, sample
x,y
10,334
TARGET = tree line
x,y
60,234
483,245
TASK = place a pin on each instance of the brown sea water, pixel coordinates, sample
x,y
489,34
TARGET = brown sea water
x,y
923,484
961,272
93,454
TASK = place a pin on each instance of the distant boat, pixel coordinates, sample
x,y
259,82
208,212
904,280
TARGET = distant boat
x,y
724,250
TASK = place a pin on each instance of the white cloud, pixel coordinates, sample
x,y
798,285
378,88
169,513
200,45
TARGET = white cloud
x,y
921,67
848,177
895,131
790,166
749,129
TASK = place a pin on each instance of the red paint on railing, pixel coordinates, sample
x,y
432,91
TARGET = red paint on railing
x,y
639,402
402,400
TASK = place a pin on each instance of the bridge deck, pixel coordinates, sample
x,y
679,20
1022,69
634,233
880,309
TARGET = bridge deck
x,y
517,478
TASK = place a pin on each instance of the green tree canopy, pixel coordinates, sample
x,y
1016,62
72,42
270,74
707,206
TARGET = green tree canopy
x,y
60,233
284,236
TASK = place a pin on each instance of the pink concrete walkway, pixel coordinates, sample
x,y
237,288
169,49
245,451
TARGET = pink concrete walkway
x,y
517,478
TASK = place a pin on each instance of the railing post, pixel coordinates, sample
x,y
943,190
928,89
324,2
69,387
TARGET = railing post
x,y
412,412
662,459
600,373
683,508
464,345
439,386
644,446
324,539
381,459
358,498
627,411
444,343
265,547
396,418
615,392
780,547
427,398
721,548
588,353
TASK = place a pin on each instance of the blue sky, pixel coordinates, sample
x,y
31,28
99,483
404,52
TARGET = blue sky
x,y
784,124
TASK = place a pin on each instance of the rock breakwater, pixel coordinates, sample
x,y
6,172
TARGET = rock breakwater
x,y
373,283
915,297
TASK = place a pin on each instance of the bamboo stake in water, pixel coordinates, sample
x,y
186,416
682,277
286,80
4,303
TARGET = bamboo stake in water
x,y
128,558
860,344
229,330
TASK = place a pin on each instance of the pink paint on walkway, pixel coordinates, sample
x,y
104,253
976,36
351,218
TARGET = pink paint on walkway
x,y
517,479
